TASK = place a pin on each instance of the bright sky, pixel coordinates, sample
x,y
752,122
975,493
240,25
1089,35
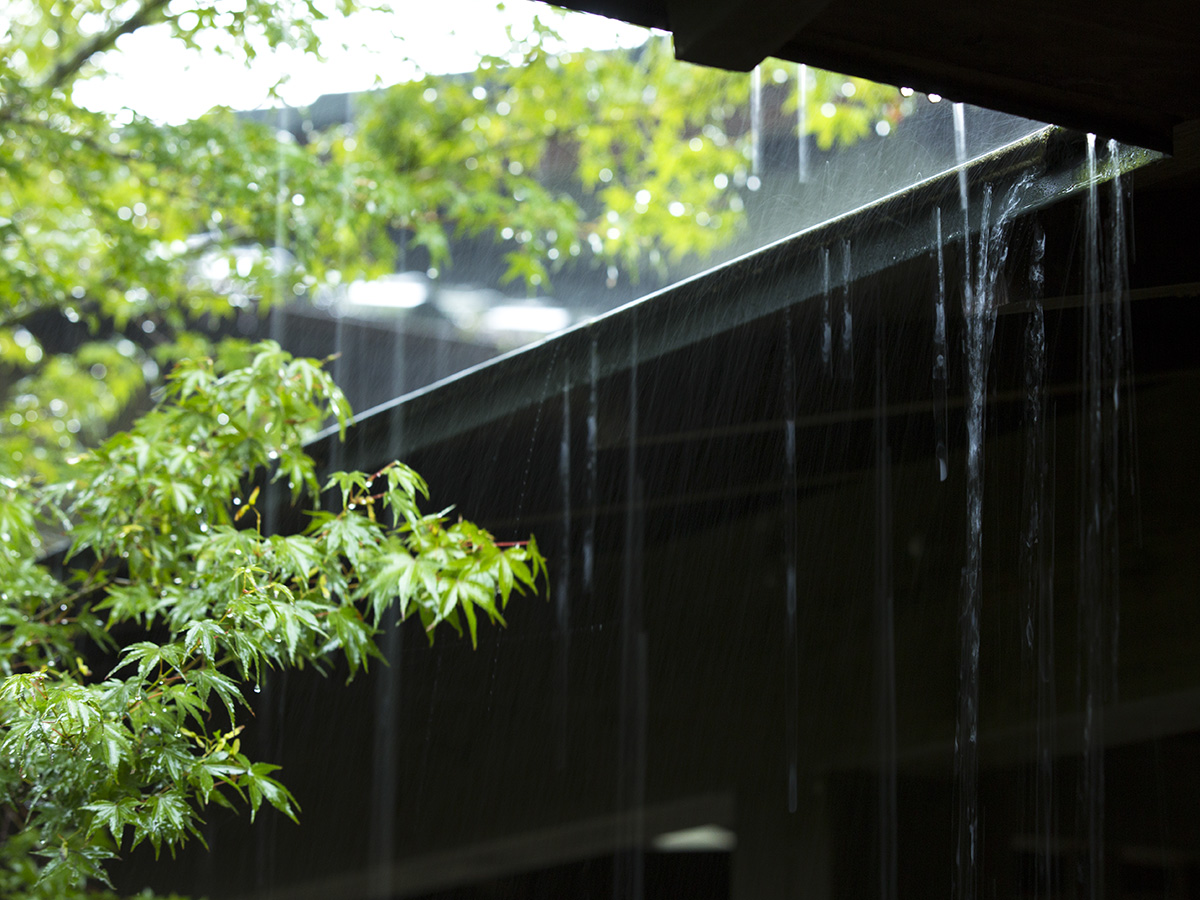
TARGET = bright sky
x,y
158,78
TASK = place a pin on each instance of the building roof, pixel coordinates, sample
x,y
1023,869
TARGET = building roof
x,y
1128,71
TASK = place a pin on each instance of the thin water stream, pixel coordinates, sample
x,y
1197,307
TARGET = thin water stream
x,y
756,122
885,628
940,357
802,123
629,875
982,266
562,584
846,369
826,314
791,662
592,450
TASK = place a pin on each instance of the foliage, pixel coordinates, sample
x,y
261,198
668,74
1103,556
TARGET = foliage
x,y
124,674
842,110
563,155
120,237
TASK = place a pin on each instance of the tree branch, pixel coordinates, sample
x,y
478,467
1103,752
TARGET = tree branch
x,y
101,42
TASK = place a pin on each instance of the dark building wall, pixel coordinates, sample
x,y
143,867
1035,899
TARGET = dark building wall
x,y
665,685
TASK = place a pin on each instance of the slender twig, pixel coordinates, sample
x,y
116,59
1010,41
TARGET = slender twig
x,y
101,42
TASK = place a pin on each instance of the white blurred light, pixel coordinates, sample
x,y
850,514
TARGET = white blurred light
x,y
702,838
389,292
528,317
155,76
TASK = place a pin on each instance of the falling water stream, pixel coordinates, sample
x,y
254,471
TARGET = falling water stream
x,y
592,451
846,369
756,122
982,266
1105,351
791,662
885,630
1093,568
629,875
966,759
562,584
940,357
802,122
1037,577
826,314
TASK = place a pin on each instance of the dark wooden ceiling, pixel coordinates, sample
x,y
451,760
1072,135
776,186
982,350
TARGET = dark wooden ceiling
x,y
1124,70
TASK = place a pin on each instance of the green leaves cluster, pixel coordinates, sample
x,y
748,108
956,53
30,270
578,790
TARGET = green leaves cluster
x,y
842,110
125,673
126,243
568,157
